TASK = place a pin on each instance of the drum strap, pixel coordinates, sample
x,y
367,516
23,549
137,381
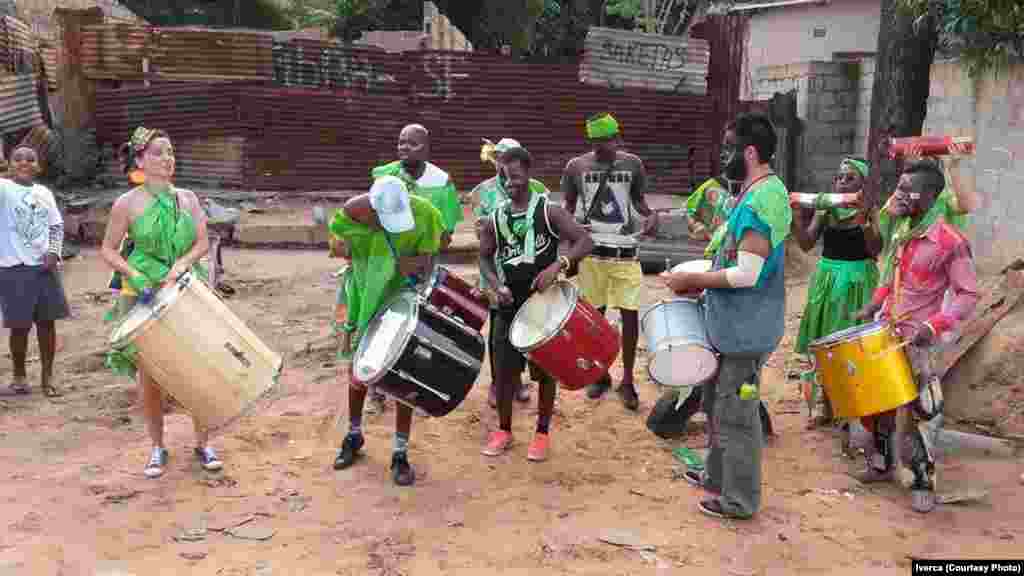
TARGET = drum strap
x,y
410,282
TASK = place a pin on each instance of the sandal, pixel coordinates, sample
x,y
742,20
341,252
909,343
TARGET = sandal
x,y
20,386
51,391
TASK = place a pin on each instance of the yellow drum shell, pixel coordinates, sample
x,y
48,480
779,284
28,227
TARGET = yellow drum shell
x,y
863,372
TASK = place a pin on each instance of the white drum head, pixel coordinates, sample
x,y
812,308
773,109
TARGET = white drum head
x,y
681,364
386,336
140,314
693,266
614,240
543,315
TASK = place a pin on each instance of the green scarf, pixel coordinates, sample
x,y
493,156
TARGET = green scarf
x,y
897,232
520,228
602,126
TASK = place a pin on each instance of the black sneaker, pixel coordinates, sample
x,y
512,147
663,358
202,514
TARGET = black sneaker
x,y
401,471
597,389
349,450
713,508
629,397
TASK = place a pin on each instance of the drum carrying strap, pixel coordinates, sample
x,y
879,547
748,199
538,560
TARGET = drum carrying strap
x,y
409,281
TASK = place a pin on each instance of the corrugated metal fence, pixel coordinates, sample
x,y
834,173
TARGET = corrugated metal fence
x,y
319,116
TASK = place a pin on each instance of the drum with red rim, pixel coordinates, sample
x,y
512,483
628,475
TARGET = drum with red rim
x,y
565,336
454,297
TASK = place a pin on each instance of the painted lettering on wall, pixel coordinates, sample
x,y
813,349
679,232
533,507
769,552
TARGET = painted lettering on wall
x,y
333,68
440,79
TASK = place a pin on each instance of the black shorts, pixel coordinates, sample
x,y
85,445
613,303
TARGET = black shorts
x,y
505,356
30,294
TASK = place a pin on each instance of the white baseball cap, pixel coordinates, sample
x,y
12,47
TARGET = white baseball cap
x,y
390,200
506,144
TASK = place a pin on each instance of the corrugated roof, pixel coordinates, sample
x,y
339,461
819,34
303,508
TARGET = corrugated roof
x,y
19,103
17,46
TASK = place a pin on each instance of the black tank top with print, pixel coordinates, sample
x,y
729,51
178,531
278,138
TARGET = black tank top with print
x,y
519,275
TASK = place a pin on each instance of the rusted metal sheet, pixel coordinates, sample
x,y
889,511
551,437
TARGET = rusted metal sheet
x,y
221,54
212,160
332,66
329,137
50,59
113,51
626,59
17,47
19,103
185,109
121,51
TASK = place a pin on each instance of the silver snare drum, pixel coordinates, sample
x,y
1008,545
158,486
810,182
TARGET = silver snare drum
x,y
680,354
615,247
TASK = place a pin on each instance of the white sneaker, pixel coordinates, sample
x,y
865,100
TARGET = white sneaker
x,y
157,461
208,458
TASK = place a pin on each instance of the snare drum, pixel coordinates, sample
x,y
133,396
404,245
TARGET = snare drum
x,y
564,335
680,352
863,370
454,297
614,247
419,356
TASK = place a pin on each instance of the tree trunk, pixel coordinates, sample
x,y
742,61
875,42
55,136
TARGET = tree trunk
x,y
899,97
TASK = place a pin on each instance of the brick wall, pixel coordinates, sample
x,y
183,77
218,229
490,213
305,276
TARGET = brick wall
x,y
828,104
992,111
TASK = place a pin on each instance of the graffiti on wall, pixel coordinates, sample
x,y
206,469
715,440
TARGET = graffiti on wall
x,y
330,67
624,59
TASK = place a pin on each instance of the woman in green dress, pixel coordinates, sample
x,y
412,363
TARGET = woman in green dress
x,y
156,233
846,276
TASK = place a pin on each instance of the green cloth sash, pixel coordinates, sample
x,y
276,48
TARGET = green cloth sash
x,y
898,231
373,275
161,235
521,228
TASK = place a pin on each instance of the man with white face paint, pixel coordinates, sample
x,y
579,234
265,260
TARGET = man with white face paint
x,y
744,297
931,258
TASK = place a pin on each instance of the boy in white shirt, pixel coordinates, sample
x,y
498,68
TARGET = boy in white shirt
x,y
31,292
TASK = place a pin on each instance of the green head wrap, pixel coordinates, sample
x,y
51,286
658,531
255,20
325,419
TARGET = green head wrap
x,y
602,126
857,164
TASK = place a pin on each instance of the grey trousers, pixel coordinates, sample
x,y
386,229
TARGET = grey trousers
x,y
733,464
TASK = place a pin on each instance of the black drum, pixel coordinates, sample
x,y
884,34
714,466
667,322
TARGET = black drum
x,y
419,356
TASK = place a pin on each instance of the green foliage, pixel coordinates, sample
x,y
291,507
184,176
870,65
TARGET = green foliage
x,y
986,34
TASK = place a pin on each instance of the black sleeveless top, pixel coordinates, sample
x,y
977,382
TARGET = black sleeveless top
x,y
519,276
845,244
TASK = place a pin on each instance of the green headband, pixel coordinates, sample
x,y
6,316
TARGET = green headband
x,y
602,126
859,165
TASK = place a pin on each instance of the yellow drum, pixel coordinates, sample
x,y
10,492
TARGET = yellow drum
x,y
864,370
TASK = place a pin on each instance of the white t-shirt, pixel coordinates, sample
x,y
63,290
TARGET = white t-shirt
x,y
26,215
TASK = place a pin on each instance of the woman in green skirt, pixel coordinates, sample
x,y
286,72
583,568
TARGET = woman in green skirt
x,y
846,275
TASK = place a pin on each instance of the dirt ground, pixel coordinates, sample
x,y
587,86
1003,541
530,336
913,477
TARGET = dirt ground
x,y
75,501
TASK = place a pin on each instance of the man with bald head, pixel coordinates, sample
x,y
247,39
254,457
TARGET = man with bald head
x,y
424,178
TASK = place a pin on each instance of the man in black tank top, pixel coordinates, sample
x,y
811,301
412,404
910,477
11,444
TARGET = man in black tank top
x,y
518,256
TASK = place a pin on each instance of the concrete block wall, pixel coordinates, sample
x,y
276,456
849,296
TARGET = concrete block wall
x,y
991,110
828,104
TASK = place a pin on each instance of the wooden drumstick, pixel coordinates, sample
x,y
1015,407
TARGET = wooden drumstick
x,y
878,355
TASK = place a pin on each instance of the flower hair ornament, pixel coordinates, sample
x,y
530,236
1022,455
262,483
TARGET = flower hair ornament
x,y
140,138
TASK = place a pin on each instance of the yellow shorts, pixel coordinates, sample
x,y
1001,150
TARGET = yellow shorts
x,y
611,283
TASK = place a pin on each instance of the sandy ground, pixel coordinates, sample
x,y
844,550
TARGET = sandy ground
x,y
75,501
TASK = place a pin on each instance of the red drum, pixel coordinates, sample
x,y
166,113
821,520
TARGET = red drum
x,y
566,336
453,296
930,146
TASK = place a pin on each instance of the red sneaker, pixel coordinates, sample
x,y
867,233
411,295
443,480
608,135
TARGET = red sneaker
x,y
498,443
538,451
